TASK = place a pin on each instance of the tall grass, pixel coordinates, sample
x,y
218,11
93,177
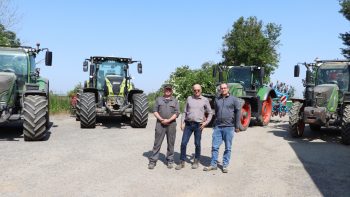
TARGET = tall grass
x,y
59,104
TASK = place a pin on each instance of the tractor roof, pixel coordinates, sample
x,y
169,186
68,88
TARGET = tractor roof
x,y
97,59
335,64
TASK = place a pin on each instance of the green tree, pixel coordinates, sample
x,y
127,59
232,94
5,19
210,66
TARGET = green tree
x,y
73,92
8,38
345,10
251,43
184,78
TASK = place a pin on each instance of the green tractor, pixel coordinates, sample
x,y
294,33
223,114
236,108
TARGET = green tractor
x,y
246,83
24,94
326,101
110,92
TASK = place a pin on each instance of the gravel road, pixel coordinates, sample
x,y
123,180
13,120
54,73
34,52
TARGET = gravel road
x,y
111,160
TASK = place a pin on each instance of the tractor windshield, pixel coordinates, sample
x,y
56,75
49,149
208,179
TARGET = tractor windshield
x,y
16,62
109,68
240,75
334,75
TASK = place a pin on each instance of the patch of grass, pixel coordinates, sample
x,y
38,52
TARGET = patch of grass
x,y
59,104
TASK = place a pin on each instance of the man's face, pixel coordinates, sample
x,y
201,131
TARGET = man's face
x,y
224,89
197,91
168,91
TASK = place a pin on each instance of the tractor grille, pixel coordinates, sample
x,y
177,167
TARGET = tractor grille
x,y
321,101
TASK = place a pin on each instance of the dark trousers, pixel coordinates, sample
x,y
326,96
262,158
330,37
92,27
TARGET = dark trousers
x,y
191,127
160,132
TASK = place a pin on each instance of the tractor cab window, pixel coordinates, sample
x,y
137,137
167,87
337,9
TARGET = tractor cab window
x,y
15,62
109,68
339,76
240,75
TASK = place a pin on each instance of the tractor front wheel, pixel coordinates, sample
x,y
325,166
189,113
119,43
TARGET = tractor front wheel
x,y
345,130
77,107
87,110
296,123
139,116
245,116
266,111
35,115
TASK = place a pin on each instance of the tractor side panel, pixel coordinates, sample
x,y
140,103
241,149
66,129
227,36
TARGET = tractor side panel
x,y
333,101
236,89
7,87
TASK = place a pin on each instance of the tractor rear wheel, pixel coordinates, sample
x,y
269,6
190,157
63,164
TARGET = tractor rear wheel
x,y
266,111
245,116
345,129
139,116
35,115
87,110
296,124
77,107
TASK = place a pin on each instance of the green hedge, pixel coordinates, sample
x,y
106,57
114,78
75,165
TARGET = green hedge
x,y
59,104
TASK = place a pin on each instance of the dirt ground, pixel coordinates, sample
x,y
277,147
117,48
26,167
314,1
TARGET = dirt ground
x,y
111,160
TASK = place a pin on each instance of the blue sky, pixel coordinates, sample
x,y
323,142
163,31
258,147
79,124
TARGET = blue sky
x,y
167,34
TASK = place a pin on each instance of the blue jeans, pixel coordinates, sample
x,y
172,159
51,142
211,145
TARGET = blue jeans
x,y
189,128
221,134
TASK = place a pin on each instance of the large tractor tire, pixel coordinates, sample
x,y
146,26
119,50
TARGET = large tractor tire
x,y
35,115
77,107
139,116
296,124
345,130
246,115
87,110
266,111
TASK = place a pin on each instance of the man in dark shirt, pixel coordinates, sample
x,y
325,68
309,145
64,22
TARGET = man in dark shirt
x,y
194,118
227,113
166,110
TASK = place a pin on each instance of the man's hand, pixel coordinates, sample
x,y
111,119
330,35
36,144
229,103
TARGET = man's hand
x,y
182,127
237,130
203,124
165,121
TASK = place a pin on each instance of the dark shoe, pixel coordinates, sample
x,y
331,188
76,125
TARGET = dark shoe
x,y
170,165
210,168
195,164
151,166
180,165
224,170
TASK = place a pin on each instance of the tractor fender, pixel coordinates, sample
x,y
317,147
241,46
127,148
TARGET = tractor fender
x,y
92,90
132,92
43,85
266,91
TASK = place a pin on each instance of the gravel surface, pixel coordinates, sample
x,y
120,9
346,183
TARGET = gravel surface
x,y
111,160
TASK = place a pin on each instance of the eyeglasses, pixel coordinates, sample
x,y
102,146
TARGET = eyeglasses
x,y
196,90
168,89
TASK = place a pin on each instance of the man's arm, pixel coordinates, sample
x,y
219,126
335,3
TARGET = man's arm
x,y
208,111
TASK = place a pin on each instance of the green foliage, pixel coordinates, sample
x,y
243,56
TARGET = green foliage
x,y
345,10
250,43
8,38
73,92
59,104
184,78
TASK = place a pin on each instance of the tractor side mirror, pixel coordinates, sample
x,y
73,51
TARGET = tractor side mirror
x,y
85,66
139,67
48,58
296,70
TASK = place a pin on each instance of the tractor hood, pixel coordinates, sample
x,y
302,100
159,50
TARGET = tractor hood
x,y
7,81
236,89
326,95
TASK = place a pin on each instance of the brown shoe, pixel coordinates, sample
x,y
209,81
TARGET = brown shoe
x,y
210,168
195,164
180,165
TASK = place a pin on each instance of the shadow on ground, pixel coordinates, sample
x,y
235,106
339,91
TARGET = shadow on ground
x,y
326,160
13,131
112,122
204,160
